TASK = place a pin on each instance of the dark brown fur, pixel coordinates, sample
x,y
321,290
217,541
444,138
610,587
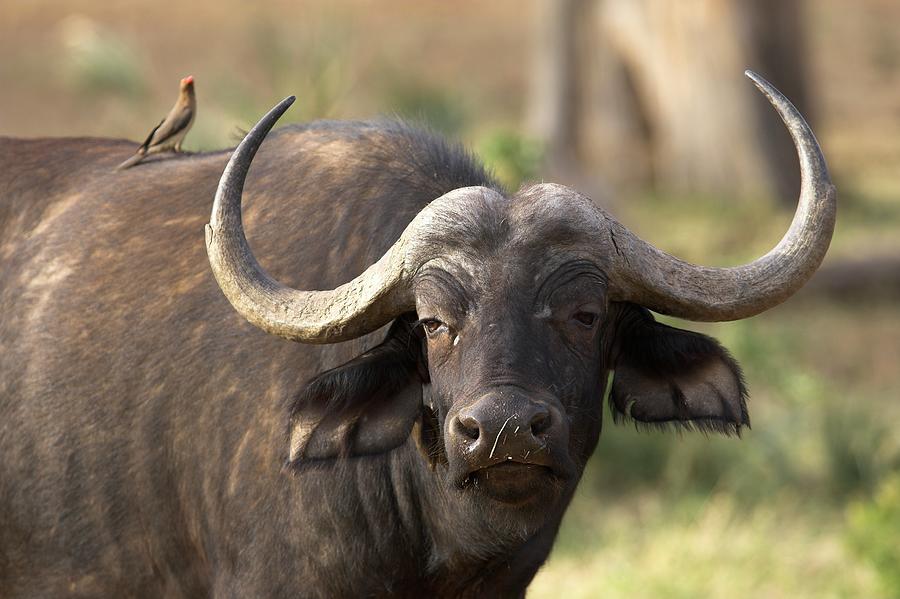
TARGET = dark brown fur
x,y
142,420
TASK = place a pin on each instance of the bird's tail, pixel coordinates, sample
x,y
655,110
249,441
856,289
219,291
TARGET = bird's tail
x,y
131,161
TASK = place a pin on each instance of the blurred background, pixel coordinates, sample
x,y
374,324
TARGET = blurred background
x,y
642,105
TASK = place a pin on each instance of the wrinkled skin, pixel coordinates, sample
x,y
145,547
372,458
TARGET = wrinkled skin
x,y
155,444
532,341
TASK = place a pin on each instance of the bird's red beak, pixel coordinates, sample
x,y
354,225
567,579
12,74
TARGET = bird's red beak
x,y
187,80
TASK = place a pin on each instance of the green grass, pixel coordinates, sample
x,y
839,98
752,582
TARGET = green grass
x,y
663,546
874,533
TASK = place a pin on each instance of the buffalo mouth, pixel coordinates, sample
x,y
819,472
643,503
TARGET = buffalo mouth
x,y
516,483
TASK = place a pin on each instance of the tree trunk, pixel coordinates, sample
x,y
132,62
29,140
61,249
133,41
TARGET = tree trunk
x,y
554,95
665,102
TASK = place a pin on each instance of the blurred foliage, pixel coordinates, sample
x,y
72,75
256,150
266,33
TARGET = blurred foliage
x,y
856,453
511,156
311,64
874,533
98,61
434,107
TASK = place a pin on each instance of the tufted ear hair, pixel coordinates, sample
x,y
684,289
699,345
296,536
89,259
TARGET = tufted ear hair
x,y
668,376
366,406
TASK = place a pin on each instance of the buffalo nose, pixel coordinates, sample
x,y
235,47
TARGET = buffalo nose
x,y
471,426
498,428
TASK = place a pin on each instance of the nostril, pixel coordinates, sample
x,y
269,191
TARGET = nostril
x,y
540,423
468,427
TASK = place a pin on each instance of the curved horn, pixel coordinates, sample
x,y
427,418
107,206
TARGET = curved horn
x,y
367,302
663,283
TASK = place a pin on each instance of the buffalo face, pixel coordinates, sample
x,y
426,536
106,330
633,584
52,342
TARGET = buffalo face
x,y
508,313
512,337
500,372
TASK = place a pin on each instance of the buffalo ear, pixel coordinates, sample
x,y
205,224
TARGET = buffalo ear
x,y
366,406
665,375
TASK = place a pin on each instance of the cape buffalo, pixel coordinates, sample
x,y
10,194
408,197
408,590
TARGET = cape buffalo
x,y
153,443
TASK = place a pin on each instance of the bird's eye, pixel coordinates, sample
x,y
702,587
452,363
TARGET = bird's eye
x,y
587,319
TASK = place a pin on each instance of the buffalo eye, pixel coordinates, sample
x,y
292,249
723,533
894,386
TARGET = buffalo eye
x,y
432,326
585,319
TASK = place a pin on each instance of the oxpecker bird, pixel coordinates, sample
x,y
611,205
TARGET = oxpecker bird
x,y
169,133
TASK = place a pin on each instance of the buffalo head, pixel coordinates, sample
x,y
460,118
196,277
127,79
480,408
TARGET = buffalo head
x,y
508,314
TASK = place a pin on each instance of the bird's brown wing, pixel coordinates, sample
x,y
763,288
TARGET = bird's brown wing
x,y
147,141
170,127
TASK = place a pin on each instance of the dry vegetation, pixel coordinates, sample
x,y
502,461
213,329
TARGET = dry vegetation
x,y
775,514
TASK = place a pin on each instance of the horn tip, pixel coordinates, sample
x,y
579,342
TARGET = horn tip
x,y
273,115
769,90
757,79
